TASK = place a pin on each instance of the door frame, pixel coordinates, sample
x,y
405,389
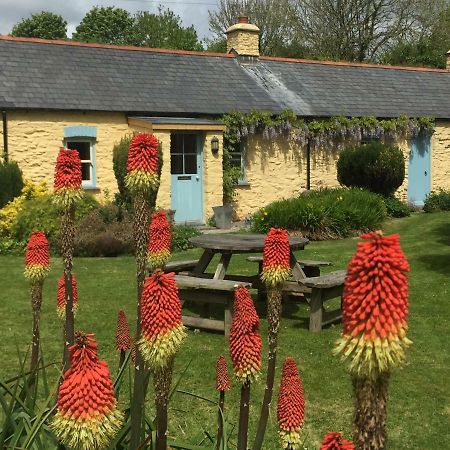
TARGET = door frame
x,y
200,171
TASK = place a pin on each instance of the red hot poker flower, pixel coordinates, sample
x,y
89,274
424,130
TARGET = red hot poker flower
x,y
162,329
245,340
142,164
61,297
87,416
37,257
67,177
222,379
375,306
335,441
123,340
159,241
276,257
291,406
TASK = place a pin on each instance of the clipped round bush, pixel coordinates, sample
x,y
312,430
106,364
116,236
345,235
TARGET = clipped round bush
x,y
324,214
375,166
11,181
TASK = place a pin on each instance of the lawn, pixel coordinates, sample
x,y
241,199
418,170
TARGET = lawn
x,y
419,406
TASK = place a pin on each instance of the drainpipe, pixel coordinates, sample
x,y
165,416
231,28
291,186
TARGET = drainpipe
x,y
308,164
5,136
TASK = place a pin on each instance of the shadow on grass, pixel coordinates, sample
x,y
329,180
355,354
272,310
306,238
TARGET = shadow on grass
x,y
442,233
439,263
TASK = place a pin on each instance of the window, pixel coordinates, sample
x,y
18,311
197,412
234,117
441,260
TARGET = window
x,y
238,159
82,139
183,154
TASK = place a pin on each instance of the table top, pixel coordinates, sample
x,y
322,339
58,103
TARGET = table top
x,y
240,243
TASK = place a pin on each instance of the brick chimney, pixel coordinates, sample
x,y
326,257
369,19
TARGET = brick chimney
x,y
243,38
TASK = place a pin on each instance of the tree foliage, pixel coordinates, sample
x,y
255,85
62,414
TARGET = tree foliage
x,y
44,25
273,17
105,25
163,30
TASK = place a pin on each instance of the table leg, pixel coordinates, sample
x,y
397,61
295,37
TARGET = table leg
x,y
297,271
222,267
203,262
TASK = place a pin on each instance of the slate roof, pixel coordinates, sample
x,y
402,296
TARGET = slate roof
x,y
38,74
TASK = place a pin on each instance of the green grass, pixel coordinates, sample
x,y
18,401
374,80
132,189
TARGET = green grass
x,y
419,405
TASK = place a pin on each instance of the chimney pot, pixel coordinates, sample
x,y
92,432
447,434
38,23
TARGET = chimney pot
x,y
243,19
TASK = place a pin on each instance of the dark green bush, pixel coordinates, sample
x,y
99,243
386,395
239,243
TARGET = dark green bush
x,y
396,208
120,156
181,235
437,201
324,214
375,166
41,214
11,181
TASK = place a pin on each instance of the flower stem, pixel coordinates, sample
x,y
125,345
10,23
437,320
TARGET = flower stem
x,y
370,399
220,419
243,416
273,318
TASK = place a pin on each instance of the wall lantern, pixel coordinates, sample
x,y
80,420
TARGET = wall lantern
x,y
215,145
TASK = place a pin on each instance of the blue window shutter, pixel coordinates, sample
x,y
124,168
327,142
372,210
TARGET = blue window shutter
x,y
80,131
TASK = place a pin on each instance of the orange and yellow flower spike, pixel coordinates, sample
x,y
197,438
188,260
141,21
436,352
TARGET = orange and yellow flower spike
x,y
67,184
375,306
162,329
291,406
123,340
335,441
276,257
158,252
142,164
245,340
87,417
222,378
37,257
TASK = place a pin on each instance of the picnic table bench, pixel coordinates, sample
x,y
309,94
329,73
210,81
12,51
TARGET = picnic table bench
x,y
208,291
315,288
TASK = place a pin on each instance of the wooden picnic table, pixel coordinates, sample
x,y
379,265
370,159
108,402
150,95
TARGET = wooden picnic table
x,y
228,244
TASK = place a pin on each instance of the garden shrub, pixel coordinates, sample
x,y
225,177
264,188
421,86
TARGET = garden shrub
x,y
120,156
437,201
40,213
181,235
324,214
102,227
11,181
395,207
375,166
9,213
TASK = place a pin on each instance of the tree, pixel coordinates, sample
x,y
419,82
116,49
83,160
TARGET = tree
x,y
429,45
105,25
45,25
163,30
273,17
354,30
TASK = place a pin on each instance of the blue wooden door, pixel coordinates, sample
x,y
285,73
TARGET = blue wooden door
x,y
186,166
419,169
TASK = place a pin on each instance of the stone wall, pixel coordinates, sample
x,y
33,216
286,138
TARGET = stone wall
x,y
440,151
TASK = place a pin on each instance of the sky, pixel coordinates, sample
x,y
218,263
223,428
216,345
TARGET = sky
x,y
192,12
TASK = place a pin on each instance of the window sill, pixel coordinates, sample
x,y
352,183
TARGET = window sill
x,y
91,188
243,183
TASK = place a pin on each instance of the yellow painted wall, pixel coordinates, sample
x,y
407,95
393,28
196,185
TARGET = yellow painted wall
x,y
440,167
34,139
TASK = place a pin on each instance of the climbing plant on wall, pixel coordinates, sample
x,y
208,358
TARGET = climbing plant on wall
x,y
329,133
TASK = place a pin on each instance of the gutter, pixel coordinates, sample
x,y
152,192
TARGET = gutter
x,y
5,136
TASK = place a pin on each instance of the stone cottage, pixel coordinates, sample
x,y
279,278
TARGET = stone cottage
x,y
88,96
